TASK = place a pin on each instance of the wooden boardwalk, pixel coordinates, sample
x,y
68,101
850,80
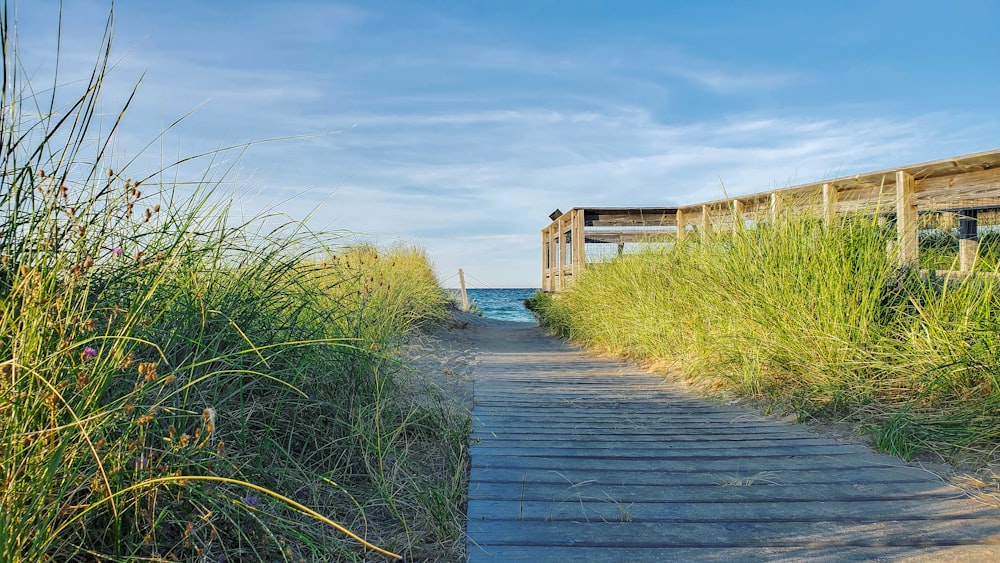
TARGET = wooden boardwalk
x,y
578,458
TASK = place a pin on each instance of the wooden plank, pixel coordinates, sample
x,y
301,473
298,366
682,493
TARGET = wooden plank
x,y
710,494
661,450
858,474
962,191
610,510
741,534
725,465
813,553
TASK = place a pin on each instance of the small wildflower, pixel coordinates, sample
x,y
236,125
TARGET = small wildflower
x,y
251,499
117,251
88,353
141,462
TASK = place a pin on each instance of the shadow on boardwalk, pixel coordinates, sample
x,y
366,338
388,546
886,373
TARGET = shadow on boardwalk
x,y
579,458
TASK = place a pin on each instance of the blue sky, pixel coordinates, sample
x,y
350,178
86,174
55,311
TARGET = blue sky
x,y
460,125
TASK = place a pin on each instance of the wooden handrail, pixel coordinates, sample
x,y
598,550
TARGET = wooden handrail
x,y
964,184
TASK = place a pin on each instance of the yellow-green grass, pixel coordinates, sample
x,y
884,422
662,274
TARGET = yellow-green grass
x,y
176,387
813,319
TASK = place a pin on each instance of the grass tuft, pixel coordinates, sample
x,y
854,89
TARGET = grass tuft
x,y
176,387
813,319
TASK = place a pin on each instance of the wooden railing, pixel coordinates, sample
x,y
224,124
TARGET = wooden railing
x,y
965,185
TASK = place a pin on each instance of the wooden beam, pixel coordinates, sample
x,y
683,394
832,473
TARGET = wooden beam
x,y
907,243
681,226
777,206
620,237
706,224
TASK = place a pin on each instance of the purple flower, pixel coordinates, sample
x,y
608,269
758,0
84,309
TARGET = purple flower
x,y
89,353
117,251
251,499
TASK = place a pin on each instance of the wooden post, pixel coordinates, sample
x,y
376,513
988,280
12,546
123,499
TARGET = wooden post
x,y
681,226
545,260
579,241
906,221
968,239
553,256
829,203
465,296
738,221
561,243
776,207
706,224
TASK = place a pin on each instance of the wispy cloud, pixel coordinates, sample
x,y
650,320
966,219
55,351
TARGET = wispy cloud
x,y
419,125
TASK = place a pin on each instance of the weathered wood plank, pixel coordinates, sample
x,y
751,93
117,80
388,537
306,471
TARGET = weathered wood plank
x,y
752,464
663,450
860,474
812,554
694,494
611,510
983,531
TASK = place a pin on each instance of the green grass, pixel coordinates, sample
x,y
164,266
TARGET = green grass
x,y
812,319
177,387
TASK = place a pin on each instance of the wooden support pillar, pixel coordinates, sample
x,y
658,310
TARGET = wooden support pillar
x,y
706,224
579,241
829,203
777,207
907,246
561,251
681,226
554,256
739,222
968,239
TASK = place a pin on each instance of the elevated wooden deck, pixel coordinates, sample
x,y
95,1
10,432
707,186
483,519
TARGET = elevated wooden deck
x,y
578,458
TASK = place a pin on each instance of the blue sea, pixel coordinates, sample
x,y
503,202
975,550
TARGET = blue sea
x,y
502,304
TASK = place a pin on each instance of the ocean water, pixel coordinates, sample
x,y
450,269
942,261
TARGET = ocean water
x,y
503,304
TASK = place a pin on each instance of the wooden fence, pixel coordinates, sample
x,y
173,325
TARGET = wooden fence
x,y
964,186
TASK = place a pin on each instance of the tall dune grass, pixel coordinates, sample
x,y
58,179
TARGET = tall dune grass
x,y
176,387
814,319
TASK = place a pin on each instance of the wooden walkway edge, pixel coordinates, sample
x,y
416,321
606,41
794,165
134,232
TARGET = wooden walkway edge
x,y
578,458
